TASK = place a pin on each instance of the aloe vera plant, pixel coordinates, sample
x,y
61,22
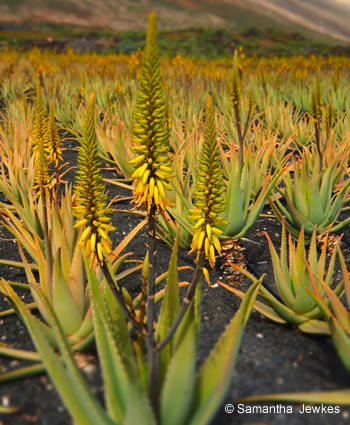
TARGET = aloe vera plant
x,y
293,272
311,196
337,317
125,376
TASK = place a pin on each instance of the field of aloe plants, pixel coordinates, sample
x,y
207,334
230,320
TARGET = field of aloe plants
x,y
174,239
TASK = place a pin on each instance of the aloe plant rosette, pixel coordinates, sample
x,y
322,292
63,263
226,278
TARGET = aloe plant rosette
x,y
292,271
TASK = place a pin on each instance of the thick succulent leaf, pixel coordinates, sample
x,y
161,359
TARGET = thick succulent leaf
x,y
234,203
345,275
283,311
336,207
341,341
139,411
180,374
315,327
171,302
301,202
22,372
120,331
77,280
114,372
85,329
258,306
316,212
214,377
63,304
12,298
339,397
282,281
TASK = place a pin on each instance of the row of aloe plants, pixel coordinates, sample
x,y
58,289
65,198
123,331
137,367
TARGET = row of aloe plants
x,y
220,197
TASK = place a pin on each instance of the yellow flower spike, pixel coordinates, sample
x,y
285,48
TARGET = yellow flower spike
x,y
208,197
150,138
53,139
91,200
39,142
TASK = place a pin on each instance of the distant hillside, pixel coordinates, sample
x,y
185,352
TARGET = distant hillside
x,y
316,18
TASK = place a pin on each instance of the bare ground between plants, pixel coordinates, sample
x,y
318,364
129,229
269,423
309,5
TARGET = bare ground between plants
x,y
273,358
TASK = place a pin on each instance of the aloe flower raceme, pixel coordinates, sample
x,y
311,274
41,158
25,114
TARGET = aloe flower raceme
x,y
53,139
292,271
91,199
153,164
39,141
208,197
311,196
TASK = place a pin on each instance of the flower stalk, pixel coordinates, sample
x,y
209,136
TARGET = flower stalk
x,y
42,177
208,197
91,200
209,204
54,143
151,178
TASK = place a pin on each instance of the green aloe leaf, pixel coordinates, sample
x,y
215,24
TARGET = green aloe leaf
x,y
23,372
63,305
214,377
341,341
315,327
77,280
169,309
65,375
180,374
114,372
258,306
338,397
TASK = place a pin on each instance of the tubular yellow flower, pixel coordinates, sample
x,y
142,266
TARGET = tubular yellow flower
x,y
152,165
91,200
208,198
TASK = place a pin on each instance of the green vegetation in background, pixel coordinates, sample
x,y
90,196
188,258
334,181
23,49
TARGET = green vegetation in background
x,y
208,43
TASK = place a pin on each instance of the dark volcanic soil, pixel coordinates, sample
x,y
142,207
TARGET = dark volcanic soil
x,y
273,358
